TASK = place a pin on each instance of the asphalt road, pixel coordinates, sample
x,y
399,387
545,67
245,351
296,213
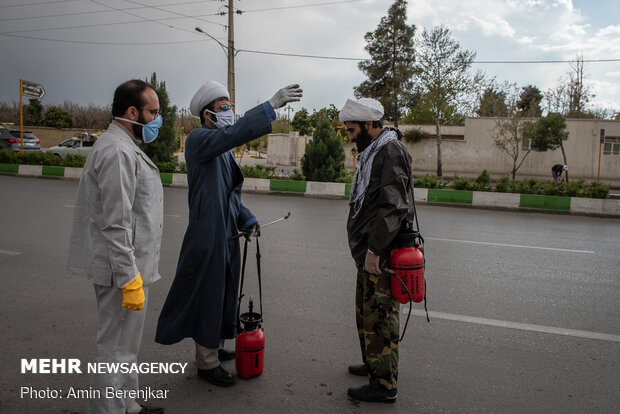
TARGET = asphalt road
x,y
524,311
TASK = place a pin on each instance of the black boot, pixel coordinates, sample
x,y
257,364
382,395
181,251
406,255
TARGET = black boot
x,y
217,376
360,370
368,394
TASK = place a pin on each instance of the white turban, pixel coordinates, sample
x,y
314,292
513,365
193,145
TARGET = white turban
x,y
207,93
364,109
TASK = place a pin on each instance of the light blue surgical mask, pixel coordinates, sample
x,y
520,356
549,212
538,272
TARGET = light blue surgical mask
x,y
149,130
224,118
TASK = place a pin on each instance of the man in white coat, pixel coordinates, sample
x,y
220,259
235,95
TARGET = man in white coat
x,y
116,237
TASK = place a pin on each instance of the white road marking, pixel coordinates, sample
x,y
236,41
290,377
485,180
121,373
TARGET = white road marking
x,y
512,245
516,325
9,252
171,215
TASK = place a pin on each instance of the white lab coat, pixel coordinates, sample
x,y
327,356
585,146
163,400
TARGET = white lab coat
x,y
118,217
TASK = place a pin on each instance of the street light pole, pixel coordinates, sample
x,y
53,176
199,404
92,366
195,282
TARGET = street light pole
x,y
231,52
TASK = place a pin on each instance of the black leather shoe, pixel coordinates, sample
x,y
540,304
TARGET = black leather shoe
x,y
218,376
359,370
368,394
149,409
225,355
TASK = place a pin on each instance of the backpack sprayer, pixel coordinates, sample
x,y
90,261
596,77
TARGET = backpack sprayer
x,y
250,344
407,265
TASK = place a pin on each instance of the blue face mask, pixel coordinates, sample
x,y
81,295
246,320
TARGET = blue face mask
x,y
149,130
225,118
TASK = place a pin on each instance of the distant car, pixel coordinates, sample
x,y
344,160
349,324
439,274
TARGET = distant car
x,y
74,145
10,139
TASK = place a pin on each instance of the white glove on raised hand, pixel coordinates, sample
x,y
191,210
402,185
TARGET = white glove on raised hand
x,y
291,93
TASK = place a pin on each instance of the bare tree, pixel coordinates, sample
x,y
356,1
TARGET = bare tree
x,y
512,134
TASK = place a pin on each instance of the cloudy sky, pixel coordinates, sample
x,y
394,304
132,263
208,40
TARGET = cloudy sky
x,y
80,50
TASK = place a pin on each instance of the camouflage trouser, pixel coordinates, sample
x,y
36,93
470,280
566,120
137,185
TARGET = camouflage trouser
x,y
377,315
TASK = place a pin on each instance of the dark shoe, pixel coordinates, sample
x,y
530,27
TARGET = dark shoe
x,y
225,355
149,409
218,376
359,370
368,394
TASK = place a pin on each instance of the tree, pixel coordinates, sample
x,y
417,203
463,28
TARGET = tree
x,y
167,143
420,114
390,68
492,103
302,122
442,73
529,101
570,96
88,117
324,156
549,134
56,117
513,133
33,113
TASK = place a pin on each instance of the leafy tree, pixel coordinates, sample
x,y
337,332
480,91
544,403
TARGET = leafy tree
x,y
302,122
442,73
570,96
492,103
324,156
549,134
420,114
529,101
33,113
56,117
167,143
390,68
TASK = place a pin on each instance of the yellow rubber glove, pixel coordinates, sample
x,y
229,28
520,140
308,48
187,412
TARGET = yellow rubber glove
x,y
133,294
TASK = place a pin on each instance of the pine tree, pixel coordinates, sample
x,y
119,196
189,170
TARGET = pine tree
x,y
167,142
324,156
390,68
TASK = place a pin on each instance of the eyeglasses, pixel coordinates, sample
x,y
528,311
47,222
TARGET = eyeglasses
x,y
225,107
153,112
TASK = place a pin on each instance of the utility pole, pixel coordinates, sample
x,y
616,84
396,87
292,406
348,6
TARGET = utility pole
x,y
231,51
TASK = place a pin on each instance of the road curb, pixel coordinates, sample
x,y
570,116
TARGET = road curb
x,y
478,199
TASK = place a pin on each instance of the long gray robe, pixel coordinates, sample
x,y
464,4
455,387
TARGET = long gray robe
x,y
202,301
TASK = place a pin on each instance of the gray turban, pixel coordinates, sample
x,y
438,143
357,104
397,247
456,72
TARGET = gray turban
x,y
207,93
364,109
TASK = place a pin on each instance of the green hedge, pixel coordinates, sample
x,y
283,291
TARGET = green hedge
x,y
577,188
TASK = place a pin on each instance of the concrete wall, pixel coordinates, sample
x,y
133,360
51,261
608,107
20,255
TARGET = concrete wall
x,y
476,152
470,149
286,149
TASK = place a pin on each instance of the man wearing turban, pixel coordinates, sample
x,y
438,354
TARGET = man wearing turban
x,y
202,302
381,200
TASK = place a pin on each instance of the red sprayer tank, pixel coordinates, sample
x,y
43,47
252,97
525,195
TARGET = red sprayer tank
x,y
250,345
408,264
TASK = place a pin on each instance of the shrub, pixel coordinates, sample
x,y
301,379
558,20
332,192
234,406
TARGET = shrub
x,y
167,167
297,175
529,186
461,183
428,181
505,185
596,190
76,160
483,182
182,167
345,177
258,171
8,157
